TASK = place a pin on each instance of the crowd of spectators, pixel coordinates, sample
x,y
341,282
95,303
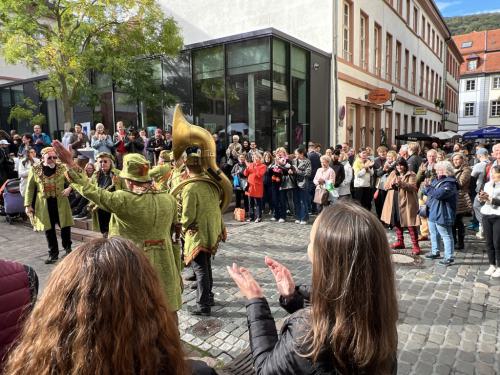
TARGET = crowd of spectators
x,y
430,192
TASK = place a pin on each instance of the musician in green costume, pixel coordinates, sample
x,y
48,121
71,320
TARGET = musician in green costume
x,y
140,213
106,177
203,229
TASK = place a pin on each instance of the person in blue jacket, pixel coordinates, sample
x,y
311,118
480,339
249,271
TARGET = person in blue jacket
x,y
442,196
40,140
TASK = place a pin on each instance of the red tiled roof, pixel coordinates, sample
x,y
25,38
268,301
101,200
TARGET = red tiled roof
x,y
493,40
485,45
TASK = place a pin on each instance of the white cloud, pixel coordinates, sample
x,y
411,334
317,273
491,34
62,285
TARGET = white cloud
x,y
442,5
485,11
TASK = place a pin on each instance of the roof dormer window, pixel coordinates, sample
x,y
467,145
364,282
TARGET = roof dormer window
x,y
466,44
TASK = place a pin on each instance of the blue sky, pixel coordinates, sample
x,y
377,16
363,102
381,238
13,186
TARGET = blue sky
x,y
451,8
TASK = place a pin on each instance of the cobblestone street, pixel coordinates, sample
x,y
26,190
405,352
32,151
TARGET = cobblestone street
x,y
448,316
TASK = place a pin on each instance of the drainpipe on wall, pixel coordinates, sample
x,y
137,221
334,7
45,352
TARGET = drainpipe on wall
x,y
444,86
334,110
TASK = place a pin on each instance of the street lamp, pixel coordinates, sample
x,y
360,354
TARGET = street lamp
x,y
392,99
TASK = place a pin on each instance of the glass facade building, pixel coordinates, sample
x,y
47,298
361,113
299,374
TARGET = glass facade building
x,y
264,86
258,87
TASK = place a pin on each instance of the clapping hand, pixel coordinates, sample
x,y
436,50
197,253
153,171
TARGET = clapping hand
x,y
245,282
283,277
483,196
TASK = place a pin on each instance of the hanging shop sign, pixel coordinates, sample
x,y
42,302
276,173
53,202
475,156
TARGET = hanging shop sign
x,y
419,111
379,96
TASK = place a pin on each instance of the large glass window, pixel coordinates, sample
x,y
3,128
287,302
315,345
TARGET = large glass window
x,y
208,76
299,116
248,94
281,106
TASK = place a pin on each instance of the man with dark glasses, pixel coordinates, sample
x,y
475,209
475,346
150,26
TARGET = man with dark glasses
x,y
47,181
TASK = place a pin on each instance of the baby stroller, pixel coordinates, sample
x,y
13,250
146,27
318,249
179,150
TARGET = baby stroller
x,y
13,202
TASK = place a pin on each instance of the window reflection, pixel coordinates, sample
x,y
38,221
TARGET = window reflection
x,y
280,93
248,90
208,85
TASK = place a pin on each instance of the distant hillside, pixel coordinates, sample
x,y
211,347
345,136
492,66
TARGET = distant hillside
x,y
475,22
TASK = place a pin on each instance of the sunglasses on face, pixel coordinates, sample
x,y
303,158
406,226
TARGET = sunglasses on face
x,y
51,157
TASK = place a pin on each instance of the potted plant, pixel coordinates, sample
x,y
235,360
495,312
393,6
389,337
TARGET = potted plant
x,y
438,103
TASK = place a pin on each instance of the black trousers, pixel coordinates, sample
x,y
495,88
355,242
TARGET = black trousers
x,y
255,208
379,202
459,230
103,217
491,230
50,234
239,195
364,196
202,267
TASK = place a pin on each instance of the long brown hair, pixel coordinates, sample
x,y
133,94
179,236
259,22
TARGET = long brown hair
x,y
354,308
102,312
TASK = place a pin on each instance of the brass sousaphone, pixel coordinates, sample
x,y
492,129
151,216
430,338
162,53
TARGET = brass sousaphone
x,y
185,135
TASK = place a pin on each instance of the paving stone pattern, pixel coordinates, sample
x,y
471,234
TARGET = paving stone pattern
x,y
449,317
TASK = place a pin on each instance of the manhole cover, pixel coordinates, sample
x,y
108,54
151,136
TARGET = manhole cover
x,y
406,258
207,327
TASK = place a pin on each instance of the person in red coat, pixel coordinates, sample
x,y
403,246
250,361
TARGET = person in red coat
x,y
255,172
18,292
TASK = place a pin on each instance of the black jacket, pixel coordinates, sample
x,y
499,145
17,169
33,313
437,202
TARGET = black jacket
x,y
134,146
414,162
339,170
273,355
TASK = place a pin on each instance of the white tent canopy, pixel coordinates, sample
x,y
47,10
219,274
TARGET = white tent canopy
x,y
446,135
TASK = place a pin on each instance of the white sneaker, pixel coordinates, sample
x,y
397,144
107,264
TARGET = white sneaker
x,y
302,222
297,221
490,270
496,273
281,220
273,219
479,234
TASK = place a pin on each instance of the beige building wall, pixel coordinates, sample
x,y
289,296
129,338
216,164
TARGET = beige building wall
x,y
357,75
10,73
307,20
494,100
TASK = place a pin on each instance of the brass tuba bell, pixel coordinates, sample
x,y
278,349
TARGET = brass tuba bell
x,y
185,135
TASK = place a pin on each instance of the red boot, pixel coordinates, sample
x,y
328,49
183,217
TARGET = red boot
x,y
414,240
400,241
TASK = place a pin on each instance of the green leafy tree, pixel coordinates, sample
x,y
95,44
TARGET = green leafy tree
x,y
26,112
67,39
475,22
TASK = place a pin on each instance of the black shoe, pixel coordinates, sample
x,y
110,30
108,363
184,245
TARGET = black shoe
x,y
211,301
446,262
51,260
200,311
459,246
433,256
68,251
80,216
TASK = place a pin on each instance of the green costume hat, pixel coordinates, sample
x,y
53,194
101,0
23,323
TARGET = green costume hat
x,y
104,155
135,168
166,155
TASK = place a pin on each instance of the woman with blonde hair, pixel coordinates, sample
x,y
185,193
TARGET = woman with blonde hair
x,y
103,311
350,325
363,172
